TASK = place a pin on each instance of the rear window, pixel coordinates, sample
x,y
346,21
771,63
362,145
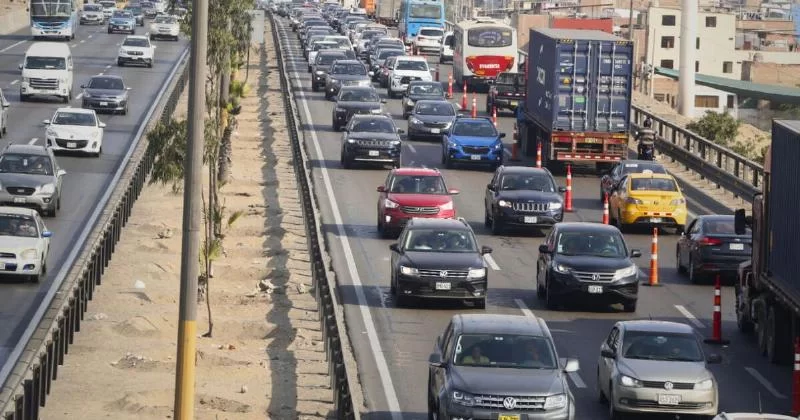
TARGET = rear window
x,y
431,32
636,168
328,59
653,184
722,227
516,79
412,65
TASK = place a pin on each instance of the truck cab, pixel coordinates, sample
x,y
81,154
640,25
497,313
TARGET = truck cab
x,y
47,70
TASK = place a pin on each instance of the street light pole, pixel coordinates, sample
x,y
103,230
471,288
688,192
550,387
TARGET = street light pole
x,y
192,191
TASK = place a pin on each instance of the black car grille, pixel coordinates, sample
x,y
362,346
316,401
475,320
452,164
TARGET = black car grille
x,y
8,255
419,210
79,144
135,53
531,207
374,143
444,274
21,190
495,402
660,385
476,150
436,124
593,277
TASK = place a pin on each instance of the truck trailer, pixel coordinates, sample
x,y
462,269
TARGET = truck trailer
x,y
767,287
386,11
578,98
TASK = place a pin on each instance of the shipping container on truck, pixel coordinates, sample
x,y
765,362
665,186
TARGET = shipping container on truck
x,y
369,6
767,286
578,97
386,11
605,24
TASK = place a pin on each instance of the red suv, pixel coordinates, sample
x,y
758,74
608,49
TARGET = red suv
x,y
413,192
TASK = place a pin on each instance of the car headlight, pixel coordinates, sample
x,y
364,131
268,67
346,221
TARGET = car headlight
x,y
95,134
630,382
319,73
409,102
351,141
626,272
50,133
451,144
28,254
337,109
335,81
678,202
122,51
408,271
389,204
446,206
555,205
504,203
555,402
476,273
87,95
48,189
498,145
561,268
376,111
704,385
414,121
463,398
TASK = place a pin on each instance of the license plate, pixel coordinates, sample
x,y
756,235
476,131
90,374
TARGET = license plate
x,y
530,219
737,247
442,285
2,266
669,399
374,153
508,417
435,131
655,220
72,145
19,199
475,157
103,103
594,289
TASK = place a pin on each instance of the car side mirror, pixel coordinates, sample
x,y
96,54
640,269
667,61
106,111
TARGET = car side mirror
x,y
102,125
6,104
502,135
400,131
486,250
47,234
635,253
608,354
61,172
127,88
490,187
381,188
83,86
394,248
714,359
46,122
544,249
20,66
740,221
572,365
435,360
453,191
371,74
383,101
562,189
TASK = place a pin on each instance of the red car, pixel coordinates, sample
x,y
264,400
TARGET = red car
x,y
413,192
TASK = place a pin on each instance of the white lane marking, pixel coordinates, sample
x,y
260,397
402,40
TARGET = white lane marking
x,y
14,82
90,36
492,263
690,316
74,45
108,66
33,140
82,41
411,147
12,46
764,382
575,376
372,335
80,95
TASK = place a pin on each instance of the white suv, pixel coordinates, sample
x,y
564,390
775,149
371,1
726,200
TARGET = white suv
x,y
406,69
75,130
428,39
446,51
4,105
24,243
136,49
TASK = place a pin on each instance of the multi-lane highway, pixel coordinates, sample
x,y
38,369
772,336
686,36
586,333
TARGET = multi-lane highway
x,y
94,52
392,345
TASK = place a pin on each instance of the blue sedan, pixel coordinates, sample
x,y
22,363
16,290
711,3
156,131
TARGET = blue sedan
x,y
122,21
473,141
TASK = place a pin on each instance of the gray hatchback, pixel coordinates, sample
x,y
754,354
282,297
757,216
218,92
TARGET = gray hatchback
x,y
30,177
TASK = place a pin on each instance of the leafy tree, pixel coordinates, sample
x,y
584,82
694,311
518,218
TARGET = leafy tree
x,y
721,128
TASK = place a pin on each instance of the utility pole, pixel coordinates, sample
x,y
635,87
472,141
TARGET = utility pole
x,y
192,191
630,22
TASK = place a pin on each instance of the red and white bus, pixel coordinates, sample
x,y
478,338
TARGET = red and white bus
x,y
483,48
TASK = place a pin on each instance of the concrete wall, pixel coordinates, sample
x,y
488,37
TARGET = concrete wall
x,y
777,57
13,18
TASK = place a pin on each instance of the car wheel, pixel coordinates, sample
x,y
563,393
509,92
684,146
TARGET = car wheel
x,y
552,301
448,164
601,396
694,276
125,110
678,262
629,307
309,69
314,88
497,226
613,414
23,98
109,31
120,63
399,300
150,64
433,413
99,152
397,163
487,221
335,126
480,303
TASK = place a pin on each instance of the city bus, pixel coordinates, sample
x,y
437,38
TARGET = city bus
x,y
53,19
483,48
414,14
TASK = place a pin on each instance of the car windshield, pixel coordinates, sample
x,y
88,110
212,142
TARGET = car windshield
x,y
431,32
504,351
377,125
18,225
107,83
515,79
436,108
649,345
653,184
426,89
324,45
92,8
639,167
122,15
384,54
417,184
45,63
328,59
134,10
166,20
591,244
108,4
359,95
12,163
528,182
353,69
389,44
136,42
722,226
414,65
371,34
478,128
84,119
440,240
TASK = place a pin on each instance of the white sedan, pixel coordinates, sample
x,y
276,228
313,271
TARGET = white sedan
x,y
75,130
165,27
24,243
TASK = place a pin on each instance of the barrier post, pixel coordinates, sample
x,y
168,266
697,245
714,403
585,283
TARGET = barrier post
x,y
716,321
653,281
474,105
539,165
796,379
464,98
605,208
515,145
437,73
494,115
450,85
568,195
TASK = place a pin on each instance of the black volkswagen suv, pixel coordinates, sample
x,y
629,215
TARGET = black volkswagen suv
x,y
345,73
523,197
322,65
439,258
371,139
498,367
355,100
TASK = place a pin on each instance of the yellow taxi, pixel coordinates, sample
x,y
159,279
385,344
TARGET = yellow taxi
x,y
648,199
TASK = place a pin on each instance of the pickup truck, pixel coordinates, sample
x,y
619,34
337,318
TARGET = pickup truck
x,y
505,92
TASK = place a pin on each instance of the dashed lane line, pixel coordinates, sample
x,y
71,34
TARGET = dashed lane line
x,y
764,382
33,140
492,263
12,46
14,82
690,316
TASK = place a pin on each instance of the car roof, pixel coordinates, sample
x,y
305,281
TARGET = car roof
x,y
499,324
48,48
31,149
106,76
333,52
416,171
414,58
428,222
637,175
144,37
433,101
18,210
372,117
585,227
476,119
424,82
75,110
352,88
648,325
518,169
348,61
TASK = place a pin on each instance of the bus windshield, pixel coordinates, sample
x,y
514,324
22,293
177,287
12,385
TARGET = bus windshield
x,y
490,36
425,11
51,8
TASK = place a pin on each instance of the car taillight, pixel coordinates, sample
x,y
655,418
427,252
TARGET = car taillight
x,y
705,241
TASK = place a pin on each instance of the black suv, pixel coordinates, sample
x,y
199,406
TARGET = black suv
x,y
371,139
420,90
506,92
587,260
522,196
439,258
345,73
355,100
612,178
322,65
498,367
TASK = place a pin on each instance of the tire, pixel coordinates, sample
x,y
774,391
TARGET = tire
x,y
448,164
613,414
120,63
110,31
629,307
125,110
480,303
553,302
397,163
65,99
601,396
694,276
335,126
149,64
314,87
497,226
487,221
681,268
23,98
743,320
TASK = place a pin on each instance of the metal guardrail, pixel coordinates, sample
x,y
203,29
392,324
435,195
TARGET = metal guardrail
x,y
720,165
31,368
334,333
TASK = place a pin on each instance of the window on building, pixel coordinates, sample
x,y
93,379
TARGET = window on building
x,y
667,42
711,21
727,66
697,43
697,66
731,102
660,97
706,101
668,64
668,20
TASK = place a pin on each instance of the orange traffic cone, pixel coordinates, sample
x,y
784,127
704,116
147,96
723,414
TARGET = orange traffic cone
x,y
539,163
464,98
605,208
474,105
494,115
568,195
450,85
653,281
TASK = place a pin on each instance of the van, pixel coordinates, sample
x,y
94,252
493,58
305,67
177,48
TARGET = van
x,y
47,71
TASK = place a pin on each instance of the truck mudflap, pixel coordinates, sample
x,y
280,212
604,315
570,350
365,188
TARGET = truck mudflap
x,y
590,147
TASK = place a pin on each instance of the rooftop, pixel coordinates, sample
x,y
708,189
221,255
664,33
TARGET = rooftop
x,y
499,324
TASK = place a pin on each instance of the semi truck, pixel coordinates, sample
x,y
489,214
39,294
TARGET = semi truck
x,y
387,12
767,287
578,102
369,6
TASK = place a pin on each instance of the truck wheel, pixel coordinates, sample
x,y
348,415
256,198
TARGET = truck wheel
x,y
778,338
743,320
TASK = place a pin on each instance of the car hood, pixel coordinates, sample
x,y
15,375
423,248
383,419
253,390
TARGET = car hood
x,y
592,264
120,21
526,195
69,132
24,180
420,200
106,92
660,370
373,136
431,260
348,77
507,381
358,105
424,75
43,73
322,68
435,118
16,243
422,97
474,141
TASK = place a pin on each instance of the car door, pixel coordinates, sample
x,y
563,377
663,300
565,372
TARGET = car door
x,y
617,197
57,171
45,241
690,239
491,191
395,259
607,182
606,365
437,377
4,104
382,196
544,259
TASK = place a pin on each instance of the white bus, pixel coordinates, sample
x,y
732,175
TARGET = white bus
x,y
482,49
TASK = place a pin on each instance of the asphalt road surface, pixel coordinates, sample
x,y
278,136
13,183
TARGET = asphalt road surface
x,y
392,345
94,52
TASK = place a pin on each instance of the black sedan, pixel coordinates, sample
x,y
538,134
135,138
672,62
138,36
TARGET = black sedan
x,y
611,179
355,100
523,197
345,73
439,258
711,246
419,90
322,65
589,261
429,119
106,93
371,139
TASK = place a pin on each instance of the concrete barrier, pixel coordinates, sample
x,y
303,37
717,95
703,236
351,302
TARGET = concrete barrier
x,y
12,20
